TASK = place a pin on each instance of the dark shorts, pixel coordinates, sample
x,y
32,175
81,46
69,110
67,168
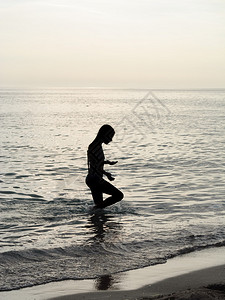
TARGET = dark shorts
x,y
98,186
93,181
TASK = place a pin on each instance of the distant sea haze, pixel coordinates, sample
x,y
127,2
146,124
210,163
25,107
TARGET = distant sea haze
x,y
170,147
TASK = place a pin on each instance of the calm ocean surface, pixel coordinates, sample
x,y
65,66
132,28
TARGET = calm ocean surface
x,y
170,147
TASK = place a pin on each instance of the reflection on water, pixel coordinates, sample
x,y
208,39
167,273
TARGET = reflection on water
x,y
98,225
109,281
104,282
104,228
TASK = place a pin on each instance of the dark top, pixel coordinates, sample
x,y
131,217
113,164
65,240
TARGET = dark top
x,y
95,159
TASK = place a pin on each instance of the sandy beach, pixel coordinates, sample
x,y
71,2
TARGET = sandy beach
x,y
204,284
197,275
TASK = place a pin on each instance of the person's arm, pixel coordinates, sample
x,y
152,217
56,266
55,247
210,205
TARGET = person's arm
x,y
107,162
107,174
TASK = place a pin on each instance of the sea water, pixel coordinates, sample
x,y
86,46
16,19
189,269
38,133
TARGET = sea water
x,y
170,147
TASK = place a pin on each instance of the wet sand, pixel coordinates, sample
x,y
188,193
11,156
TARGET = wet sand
x,y
203,284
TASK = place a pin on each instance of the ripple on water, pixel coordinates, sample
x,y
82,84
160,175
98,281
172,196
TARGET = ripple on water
x,y
10,174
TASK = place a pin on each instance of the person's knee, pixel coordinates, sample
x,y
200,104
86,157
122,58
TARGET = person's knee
x,y
119,195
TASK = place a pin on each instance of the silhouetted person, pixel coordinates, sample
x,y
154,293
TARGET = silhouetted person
x,y
94,179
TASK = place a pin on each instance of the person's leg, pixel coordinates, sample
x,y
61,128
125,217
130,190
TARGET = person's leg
x,y
93,182
108,188
97,196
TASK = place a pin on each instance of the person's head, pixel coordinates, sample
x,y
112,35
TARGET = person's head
x,y
106,133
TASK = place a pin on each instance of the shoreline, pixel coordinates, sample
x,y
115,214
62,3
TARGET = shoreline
x,y
202,284
188,271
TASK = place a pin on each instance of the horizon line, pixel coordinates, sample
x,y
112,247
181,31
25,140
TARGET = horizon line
x,y
108,88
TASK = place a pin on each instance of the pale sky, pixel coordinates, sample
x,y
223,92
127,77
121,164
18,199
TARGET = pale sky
x,y
113,43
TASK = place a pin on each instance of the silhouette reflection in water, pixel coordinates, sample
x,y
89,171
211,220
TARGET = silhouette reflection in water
x,y
104,228
104,282
106,231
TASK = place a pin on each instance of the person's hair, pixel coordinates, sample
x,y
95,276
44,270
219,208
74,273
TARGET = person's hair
x,y
104,131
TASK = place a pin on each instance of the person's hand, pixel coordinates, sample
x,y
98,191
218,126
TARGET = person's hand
x,y
109,176
112,162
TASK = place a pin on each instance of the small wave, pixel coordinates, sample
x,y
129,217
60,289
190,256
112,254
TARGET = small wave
x,y
7,192
10,174
22,176
35,196
39,266
21,194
